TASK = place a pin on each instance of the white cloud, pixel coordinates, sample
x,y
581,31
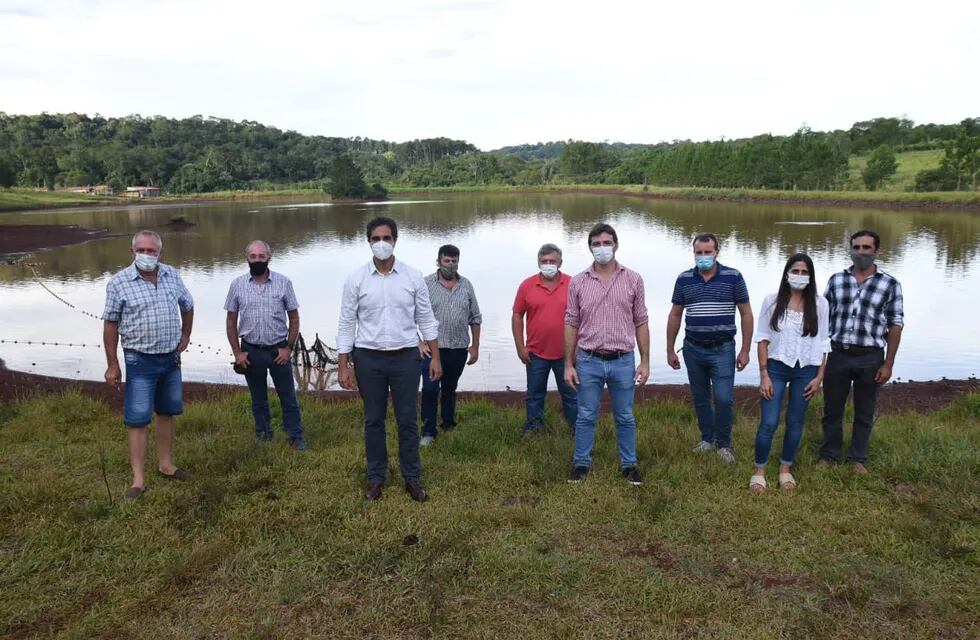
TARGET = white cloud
x,y
498,72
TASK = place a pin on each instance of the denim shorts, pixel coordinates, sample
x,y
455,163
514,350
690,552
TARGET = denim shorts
x,y
153,383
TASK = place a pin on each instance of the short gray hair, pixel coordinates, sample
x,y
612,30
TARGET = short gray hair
x,y
549,248
265,245
149,234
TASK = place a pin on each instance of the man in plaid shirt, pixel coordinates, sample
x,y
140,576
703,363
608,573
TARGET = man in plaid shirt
x,y
262,326
148,309
866,320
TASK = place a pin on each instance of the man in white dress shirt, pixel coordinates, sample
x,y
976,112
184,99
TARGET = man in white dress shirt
x,y
385,307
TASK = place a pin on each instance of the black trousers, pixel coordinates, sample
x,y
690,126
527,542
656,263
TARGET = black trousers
x,y
377,373
844,371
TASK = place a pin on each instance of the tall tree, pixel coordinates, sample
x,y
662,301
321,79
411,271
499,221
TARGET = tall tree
x,y
881,166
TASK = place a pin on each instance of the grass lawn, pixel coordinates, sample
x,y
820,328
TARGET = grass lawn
x,y
910,163
267,542
14,199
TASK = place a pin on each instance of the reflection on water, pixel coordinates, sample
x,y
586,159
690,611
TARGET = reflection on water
x,y
932,253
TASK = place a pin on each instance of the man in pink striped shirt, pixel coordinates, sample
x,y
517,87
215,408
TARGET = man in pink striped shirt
x,y
605,320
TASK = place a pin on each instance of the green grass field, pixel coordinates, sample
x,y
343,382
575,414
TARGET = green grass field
x,y
266,542
15,199
910,163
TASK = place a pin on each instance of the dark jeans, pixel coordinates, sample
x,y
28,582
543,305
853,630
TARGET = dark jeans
x,y
797,378
843,370
453,363
537,389
711,372
376,373
262,364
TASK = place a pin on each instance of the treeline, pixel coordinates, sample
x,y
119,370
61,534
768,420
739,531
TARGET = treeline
x,y
190,155
207,154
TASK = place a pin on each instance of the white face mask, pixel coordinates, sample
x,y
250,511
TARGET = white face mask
x,y
797,282
548,270
382,250
602,255
145,262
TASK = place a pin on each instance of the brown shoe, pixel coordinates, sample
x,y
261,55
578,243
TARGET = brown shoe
x,y
415,490
859,469
178,474
824,462
134,493
373,491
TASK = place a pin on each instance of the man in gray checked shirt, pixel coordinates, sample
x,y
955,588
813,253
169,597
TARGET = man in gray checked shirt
x,y
259,305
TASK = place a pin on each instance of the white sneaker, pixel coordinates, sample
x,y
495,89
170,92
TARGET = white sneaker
x,y
727,455
702,447
426,441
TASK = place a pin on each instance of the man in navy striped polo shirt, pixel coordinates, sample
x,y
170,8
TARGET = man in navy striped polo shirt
x,y
708,295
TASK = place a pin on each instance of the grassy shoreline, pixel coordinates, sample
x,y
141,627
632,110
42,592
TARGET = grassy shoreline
x,y
268,542
22,200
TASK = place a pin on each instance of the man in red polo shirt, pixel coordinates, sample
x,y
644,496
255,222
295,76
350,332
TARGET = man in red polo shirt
x,y
543,297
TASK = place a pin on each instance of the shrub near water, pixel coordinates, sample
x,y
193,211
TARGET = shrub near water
x,y
268,542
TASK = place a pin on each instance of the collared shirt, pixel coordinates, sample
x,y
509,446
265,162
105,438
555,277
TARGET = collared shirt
x,y
148,314
789,345
262,307
455,309
606,313
545,309
385,312
709,305
860,315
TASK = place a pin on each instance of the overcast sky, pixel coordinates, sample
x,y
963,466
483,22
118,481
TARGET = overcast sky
x,y
498,72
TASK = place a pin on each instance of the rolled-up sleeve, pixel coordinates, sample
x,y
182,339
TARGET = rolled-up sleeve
x,y
289,300
640,314
894,309
475,316
572,308
113,303
185,301
762,329
348,315
425,319
231,300
823,325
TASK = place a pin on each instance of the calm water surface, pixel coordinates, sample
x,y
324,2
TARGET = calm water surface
x,y
317,245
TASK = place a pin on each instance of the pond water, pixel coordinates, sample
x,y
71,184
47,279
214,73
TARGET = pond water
x,y
317,244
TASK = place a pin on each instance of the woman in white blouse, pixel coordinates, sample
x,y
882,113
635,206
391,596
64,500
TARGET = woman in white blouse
x,y
794,339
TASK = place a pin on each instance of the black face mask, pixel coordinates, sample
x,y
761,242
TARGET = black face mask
x,y
258,268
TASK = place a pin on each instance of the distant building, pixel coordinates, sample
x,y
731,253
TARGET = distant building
x,y
142,192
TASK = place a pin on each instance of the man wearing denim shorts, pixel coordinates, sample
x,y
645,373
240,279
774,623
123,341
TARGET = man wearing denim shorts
x,y
150,310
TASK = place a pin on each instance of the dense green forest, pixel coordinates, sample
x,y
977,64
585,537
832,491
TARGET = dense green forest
x,y
199,154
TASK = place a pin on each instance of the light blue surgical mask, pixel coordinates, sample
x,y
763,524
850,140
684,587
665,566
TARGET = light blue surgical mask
x,y
704,263
146,262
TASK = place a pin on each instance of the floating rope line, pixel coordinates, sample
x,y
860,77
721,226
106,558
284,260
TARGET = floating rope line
x,y
320,356
49,344
37,279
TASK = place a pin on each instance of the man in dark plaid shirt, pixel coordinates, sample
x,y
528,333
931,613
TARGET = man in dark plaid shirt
x,y
866,320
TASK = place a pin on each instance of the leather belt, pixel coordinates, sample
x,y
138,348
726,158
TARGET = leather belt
x,y
852,349
605,355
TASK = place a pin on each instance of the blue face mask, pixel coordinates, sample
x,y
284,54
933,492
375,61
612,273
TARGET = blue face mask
x,y
704,263
145,262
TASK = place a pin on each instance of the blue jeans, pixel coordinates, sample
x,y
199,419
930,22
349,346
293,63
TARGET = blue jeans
x,y
453,363
537,389
593,374
711,372
797,378
262,365
153,383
